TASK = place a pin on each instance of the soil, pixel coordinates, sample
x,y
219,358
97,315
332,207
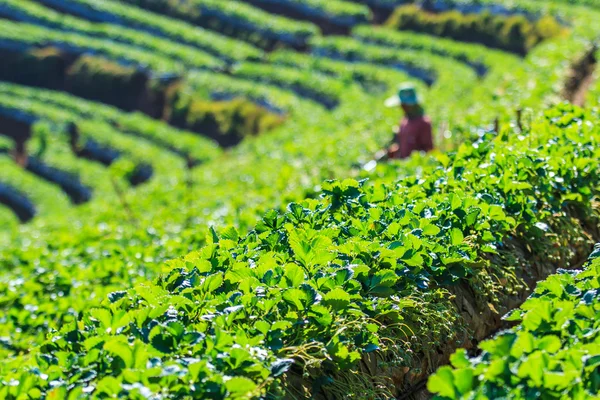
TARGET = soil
x,y
580,78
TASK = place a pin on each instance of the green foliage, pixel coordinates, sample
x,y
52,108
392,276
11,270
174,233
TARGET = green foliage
x,y
513,33
41,67
237,19
105,81
48,104
553,353
227,122
366,267
355,281
30,11
335,12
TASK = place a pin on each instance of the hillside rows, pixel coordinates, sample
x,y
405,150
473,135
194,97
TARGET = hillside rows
x,y
196,216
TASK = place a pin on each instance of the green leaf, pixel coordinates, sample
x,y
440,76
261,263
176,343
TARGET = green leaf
x,y
549,343
103,315
213,235
321,315
342,275
533,367
456,237
455,201
337,299
471,217
414,261
164,343
230,233
296,297
431,230
108,385
459,359
120,349
442,383
294,275
239,385
262,326
212,282
385,277
463,380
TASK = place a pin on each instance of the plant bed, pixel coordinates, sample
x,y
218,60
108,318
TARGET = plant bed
x,y
364,291
227,121
552,353
238,20
77,192
331,17
510,33
119,13
17,202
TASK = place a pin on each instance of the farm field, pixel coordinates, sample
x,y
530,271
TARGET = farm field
x,y
191,206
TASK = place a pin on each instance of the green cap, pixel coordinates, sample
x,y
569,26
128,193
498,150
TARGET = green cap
x,y
407,95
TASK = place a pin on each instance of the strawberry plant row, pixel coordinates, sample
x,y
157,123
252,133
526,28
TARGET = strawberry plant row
x,y
186,144
334,12
31,12
554,352
137,149
477,57
49,145
533,9
121,14
237,19
307,84
373,79
45,198
515,34
26,36
394,276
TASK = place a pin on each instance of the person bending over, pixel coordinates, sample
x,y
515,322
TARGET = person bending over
x,y
414,132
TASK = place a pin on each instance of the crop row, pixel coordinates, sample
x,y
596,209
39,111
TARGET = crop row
x,y
554,352
24,36
307,84
180,142
137,149
415,63
237,19
103,78
52,159
367,271
515,34
46,198
332,12
477,57
374,79
533,9
121,14
31,12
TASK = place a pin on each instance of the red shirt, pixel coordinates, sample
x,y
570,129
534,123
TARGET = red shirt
x,y
415,135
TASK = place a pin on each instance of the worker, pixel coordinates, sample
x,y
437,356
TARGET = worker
x,y
414,132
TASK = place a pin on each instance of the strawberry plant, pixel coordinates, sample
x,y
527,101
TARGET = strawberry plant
x,y
366,270
552,353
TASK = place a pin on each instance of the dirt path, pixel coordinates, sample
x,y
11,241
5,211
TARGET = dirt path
x,y
581,93
581,77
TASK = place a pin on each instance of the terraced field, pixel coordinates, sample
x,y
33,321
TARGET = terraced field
x,y
197,213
